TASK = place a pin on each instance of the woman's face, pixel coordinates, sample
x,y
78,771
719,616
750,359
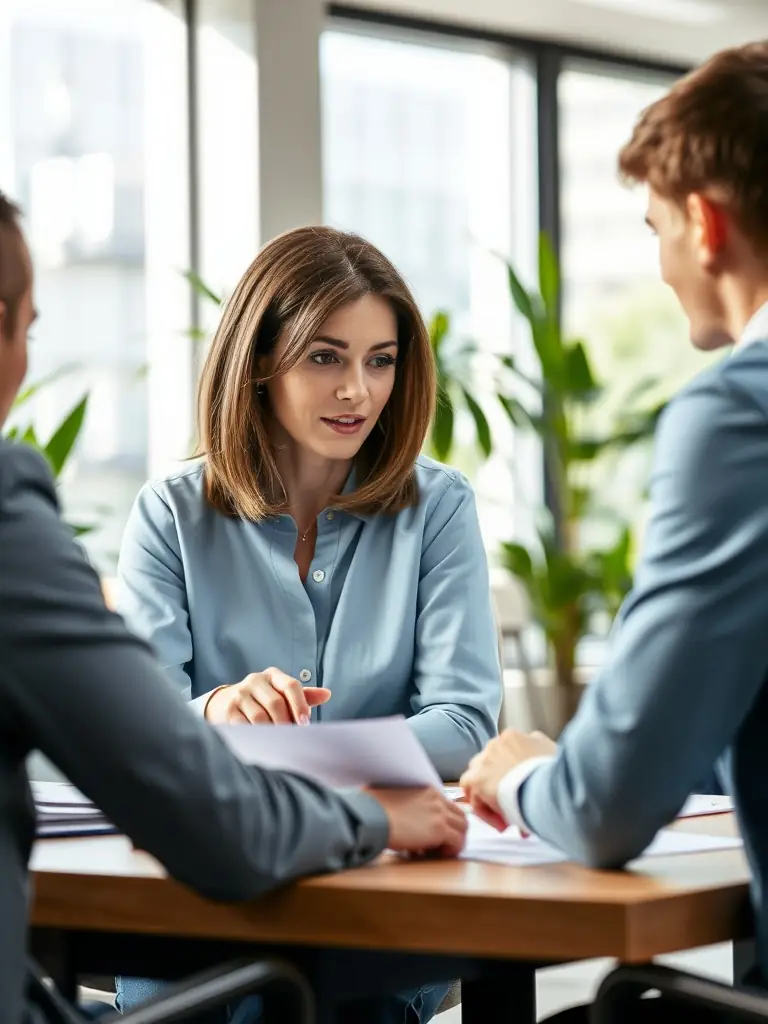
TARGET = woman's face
x,y
331,400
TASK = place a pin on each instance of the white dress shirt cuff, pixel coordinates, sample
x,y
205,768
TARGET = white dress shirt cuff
x,y
509,791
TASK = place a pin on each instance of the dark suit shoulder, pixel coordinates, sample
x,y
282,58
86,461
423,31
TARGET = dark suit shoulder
x,y
23,469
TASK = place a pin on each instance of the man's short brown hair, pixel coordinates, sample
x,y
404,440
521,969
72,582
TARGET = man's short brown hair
x,y
709,134
295,283
14,278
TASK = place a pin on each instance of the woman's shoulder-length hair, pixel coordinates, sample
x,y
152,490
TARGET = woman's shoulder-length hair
x,y
295,283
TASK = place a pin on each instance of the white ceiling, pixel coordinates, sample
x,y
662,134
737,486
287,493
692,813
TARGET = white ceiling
x,y
681,31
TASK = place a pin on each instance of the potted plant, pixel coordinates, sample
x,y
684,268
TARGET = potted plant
x,y
569,580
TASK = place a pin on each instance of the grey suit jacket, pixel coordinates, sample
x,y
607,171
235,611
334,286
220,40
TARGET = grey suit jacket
x,y
687,677
77,686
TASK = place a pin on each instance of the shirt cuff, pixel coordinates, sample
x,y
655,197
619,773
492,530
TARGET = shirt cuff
x,y
199,705
508,795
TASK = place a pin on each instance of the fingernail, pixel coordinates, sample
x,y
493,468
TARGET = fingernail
x,y
303,719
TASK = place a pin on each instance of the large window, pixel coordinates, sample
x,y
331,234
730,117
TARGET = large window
x,y
74,76
614,297
429,152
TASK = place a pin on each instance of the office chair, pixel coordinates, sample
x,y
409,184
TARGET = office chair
x,y
626,985
286,996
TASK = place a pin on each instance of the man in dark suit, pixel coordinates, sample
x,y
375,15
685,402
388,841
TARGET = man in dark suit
x,y
77,686
686,682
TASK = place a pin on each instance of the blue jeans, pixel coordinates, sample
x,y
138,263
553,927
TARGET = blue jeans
x,y
416,1006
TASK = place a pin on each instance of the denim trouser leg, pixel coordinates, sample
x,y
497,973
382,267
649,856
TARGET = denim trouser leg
x,y
132,992
415,1006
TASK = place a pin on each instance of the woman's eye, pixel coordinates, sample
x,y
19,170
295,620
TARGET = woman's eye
x,y
382,362
323,358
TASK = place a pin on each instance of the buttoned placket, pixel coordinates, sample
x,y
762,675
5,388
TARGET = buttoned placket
x,y
309,602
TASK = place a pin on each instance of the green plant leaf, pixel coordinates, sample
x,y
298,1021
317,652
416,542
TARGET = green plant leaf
x,y
482,428
568,580
612,568
518,560
520,296
548,343
200,287
439,327
580,500
519,416
30,437
441,435
549,276
59,447
79,530
580,381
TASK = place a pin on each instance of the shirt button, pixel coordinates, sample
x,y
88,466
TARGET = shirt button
x,y
318,575
329,516
305,675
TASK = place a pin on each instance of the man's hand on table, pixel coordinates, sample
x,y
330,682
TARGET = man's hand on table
x,y
480,781
423,821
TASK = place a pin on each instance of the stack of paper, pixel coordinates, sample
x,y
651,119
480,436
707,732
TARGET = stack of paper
x,y
63,810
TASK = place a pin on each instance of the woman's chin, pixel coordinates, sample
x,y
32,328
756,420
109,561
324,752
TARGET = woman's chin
x,y
337,448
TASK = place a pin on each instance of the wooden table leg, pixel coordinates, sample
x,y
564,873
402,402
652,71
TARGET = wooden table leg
x,y
506,995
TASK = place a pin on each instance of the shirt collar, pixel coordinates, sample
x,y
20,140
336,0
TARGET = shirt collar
x,y
757,327
350,485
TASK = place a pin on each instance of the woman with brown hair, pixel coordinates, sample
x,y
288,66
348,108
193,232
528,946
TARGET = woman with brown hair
x,y
311,563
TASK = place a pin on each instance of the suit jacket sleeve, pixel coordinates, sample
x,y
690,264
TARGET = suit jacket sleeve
x,y
688,654
80,688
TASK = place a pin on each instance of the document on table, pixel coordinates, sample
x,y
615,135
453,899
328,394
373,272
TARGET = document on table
x,y
365,752
63,810
484,843
698,805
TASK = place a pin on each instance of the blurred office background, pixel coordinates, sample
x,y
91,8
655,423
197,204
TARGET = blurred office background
x,y
146,137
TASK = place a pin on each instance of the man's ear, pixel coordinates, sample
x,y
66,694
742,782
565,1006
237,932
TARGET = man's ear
x,y
710,227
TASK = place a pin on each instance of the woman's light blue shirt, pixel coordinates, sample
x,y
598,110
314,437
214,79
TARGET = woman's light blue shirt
x,y
395,616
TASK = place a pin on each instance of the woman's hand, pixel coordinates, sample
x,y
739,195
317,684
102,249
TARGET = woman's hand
x,y
266,698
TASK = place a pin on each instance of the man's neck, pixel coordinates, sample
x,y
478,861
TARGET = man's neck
x,y
742,299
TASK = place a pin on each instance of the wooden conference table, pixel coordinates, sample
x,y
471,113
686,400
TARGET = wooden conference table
x,y
102,907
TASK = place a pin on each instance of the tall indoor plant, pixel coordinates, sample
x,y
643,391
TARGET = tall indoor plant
x,y
567,579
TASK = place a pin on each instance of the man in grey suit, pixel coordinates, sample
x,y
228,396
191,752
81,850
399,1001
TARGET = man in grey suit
x,y
686,682
77,686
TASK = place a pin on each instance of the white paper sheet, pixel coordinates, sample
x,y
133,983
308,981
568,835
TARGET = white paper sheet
x,y
365,752
700,805
484,843
453,792
58,794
